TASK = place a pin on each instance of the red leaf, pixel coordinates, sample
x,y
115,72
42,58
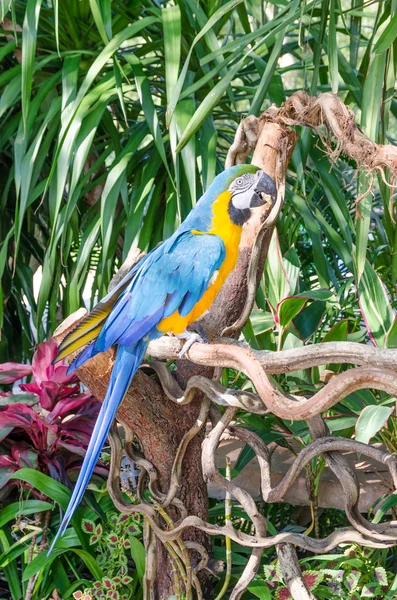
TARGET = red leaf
x,y
17,415
79,427
23,416
44,370
6,461
313,578
11,371
60,375
73,448
25,456
42,359
68,405
48,394
283,594
30,387
87,526
7,467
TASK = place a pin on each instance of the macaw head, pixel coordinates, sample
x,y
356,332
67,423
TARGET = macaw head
x,y
249,187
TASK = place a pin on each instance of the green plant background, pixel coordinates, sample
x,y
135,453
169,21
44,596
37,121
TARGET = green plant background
x,y
115,116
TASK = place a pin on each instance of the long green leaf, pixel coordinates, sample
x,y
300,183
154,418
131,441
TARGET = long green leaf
x,y
370,113
181,80
138,556
207,105
48,486
370,421
148,106
91,75
29,37
112,187
10,571
375,305
172,46
16,549
267,76
27,507
387,37
333,48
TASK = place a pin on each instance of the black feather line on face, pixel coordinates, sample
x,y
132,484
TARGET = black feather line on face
x,y
238,216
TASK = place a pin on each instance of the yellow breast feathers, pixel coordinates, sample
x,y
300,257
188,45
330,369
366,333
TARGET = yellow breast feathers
x,y
230,233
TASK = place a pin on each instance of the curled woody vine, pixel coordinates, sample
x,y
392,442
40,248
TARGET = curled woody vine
x,y
373,368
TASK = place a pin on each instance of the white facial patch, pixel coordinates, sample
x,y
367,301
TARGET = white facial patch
x,y
242,200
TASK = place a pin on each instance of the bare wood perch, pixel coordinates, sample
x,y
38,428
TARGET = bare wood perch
x,y
329,110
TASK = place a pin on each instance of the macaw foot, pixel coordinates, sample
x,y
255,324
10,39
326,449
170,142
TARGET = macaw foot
x,y
195,334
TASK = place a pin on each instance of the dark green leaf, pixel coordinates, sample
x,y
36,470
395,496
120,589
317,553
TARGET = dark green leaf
x,y
26,507
46,485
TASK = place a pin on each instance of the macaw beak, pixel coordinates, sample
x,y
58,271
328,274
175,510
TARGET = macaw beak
x,y
265,191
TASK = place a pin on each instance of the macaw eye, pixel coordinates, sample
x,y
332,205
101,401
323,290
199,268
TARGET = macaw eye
x,y
241,184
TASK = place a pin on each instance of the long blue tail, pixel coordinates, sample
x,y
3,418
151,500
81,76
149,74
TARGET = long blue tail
x,y
126,365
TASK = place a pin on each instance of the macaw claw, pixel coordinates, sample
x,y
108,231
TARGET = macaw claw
x,y
195,334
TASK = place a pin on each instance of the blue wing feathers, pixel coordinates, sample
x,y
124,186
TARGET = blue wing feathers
x,y
173,302
142,328
114,326
175,277
189,301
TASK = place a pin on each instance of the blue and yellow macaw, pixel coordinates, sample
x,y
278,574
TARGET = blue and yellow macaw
x,y
165,292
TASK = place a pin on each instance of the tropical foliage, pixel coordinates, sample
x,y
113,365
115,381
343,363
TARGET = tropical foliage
x,y
355,574
79,562
48,428
114,118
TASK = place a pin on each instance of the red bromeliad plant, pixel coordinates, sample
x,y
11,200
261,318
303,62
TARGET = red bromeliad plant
x,y
47,427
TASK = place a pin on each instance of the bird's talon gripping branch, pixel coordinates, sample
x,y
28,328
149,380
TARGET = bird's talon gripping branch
x,y
191,338
198,328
